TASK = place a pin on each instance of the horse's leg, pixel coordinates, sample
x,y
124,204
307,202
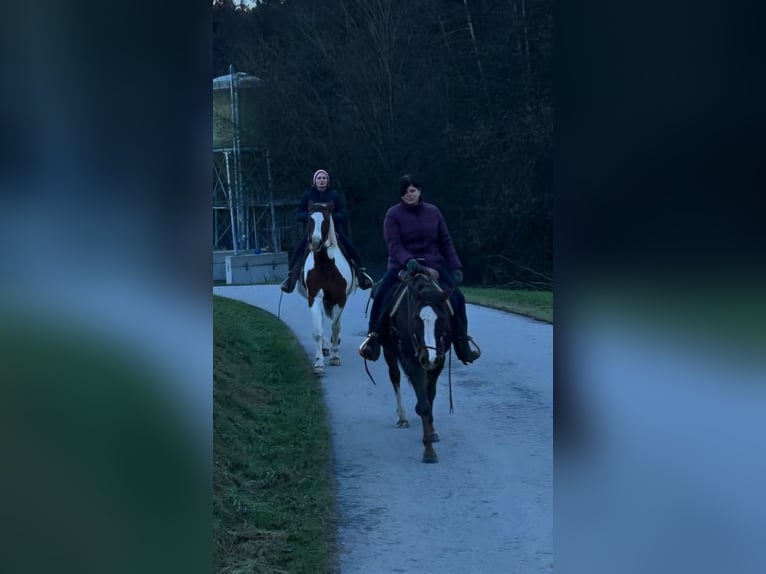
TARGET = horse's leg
x,y
423,407
316,315
396,376
335,340
432,377
429,454
325,342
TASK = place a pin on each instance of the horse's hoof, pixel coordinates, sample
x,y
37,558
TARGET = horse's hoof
x,y
435,437
335,362
430,457
326,352
403,424
319,370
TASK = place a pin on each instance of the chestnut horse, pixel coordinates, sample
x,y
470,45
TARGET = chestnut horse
x,y
326,281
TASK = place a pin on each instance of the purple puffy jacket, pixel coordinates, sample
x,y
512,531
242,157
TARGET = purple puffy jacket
x,y
419,231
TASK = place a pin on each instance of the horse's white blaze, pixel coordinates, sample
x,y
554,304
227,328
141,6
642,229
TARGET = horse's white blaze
x,y
316,235
428,316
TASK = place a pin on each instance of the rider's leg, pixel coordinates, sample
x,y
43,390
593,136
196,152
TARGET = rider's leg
x,y
296,262
364,280
461,340
370,348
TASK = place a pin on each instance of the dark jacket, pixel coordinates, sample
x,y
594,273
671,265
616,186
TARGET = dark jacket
x,y
419,231
328,196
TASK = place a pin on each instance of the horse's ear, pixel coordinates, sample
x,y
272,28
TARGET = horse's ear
x,y
446,294
330,206
310,205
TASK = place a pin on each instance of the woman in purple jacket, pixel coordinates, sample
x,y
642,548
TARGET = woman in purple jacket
x,y
417,237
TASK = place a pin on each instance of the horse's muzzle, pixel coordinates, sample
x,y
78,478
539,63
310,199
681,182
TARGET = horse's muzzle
x,y
426,361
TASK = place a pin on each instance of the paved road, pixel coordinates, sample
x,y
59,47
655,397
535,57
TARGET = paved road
x,y
487,506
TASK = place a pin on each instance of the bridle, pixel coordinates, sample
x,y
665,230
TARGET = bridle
x,y
323,230
418,344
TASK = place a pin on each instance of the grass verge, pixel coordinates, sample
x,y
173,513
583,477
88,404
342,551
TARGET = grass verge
x,y
535,304
273,506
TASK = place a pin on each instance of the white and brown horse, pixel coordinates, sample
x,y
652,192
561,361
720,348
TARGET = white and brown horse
x,y
326,281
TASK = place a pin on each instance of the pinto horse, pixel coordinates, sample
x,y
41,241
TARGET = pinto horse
x,y
417,337
326,281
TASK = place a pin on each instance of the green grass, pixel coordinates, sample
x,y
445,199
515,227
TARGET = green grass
x,y
273,506
535,304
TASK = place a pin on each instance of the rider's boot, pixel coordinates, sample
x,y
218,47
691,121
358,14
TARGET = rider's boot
x,y
363,280
288,285
462,342
370,347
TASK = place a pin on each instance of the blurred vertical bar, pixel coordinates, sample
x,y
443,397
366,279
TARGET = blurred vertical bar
x,y
105,306
659,288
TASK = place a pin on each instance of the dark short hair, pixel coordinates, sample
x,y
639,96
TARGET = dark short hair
x,y
406,181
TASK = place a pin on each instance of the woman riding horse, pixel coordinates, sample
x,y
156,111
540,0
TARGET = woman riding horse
x,y
328,282
417,238
321,192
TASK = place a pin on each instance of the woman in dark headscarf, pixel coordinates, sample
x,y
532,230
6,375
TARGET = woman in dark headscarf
x,y
321,192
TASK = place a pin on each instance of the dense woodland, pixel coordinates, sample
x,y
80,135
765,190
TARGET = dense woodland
x,y
457,91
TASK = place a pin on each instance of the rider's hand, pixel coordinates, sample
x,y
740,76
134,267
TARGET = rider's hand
x,y
413,266
457,275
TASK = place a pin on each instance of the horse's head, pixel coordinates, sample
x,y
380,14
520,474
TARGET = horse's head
x,y
319,228
428,317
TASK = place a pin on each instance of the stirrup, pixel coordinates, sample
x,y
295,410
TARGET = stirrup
x,y
364,281
370,347
468,354
477,352
288,286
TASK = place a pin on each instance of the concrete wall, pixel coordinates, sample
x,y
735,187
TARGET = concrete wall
x,y
219,264
252,269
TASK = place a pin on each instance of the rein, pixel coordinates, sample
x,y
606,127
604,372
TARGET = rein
x,y
449,378
367,306
367,370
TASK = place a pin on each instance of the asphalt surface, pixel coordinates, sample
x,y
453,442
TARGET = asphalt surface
x,y
487,506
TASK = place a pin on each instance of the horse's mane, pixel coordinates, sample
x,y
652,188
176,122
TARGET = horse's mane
x,y
424,289
332,237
